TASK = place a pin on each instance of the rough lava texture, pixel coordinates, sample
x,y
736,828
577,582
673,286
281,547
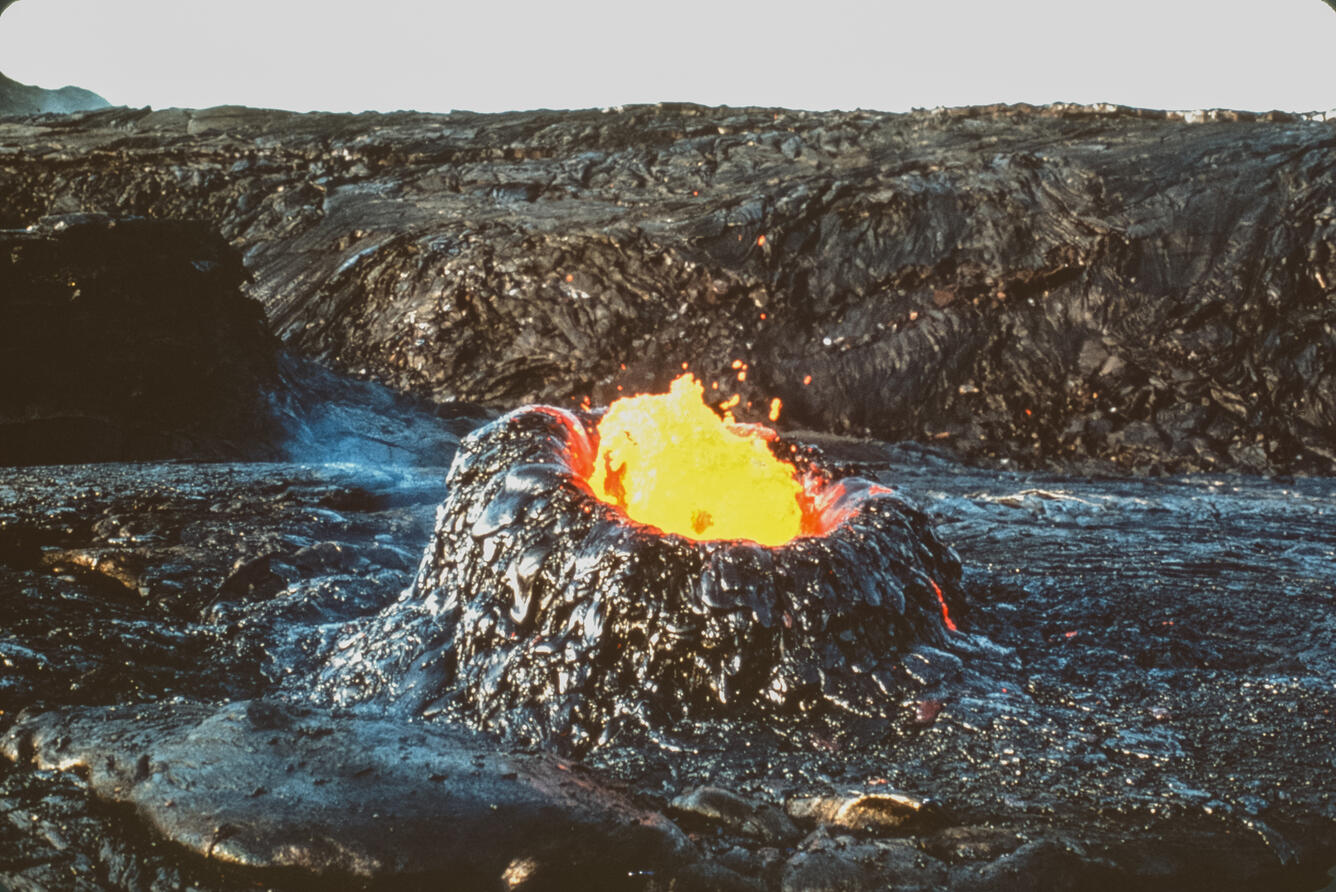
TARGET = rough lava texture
x,y
1157,713
262,784
557,619
1057,286
124,339
130,338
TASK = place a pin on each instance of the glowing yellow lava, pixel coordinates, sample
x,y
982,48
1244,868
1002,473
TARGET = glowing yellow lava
x,y
669,461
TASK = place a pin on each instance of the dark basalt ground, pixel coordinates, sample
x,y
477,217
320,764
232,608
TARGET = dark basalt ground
x,y
1050,286
263,785
1056,287
1157,714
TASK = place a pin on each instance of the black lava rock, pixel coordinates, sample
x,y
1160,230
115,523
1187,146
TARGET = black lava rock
x,y
1047,286
124,339
352,799
1061,286
565,618
1159,704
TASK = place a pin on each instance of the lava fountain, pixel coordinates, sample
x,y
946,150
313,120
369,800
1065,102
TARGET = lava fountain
x,y
669,462
661,563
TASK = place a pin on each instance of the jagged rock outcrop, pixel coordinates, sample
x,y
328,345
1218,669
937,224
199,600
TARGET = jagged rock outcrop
x,y
125,339
1045,285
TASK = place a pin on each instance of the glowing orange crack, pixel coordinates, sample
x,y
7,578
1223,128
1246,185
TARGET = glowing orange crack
x,y
668,461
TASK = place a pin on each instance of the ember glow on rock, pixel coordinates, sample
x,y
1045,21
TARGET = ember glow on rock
x,y
669,461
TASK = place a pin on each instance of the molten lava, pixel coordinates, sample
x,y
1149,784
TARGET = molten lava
x,y
667,460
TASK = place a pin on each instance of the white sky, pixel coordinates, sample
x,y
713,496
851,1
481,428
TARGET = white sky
x,y
491,56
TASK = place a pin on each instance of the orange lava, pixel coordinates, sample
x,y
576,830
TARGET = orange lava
x,y
668,461
946,616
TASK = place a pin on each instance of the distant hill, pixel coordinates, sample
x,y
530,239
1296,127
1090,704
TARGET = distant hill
x,y
21,99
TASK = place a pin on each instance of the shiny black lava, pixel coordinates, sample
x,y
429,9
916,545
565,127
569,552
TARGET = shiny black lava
x,y
570,619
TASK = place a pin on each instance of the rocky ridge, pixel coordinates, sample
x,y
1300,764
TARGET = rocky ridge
x,y
1062,286
18,99
123,339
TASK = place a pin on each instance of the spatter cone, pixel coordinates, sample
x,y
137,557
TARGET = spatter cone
x,y
569,617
